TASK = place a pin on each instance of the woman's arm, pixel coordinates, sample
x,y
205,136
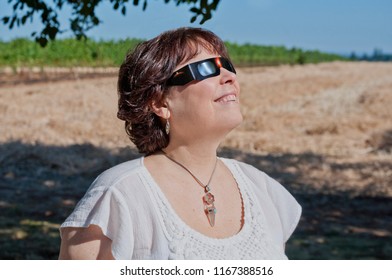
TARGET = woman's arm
x,y
85,244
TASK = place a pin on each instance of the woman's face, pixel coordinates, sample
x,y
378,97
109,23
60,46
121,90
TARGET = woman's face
x,y
209,107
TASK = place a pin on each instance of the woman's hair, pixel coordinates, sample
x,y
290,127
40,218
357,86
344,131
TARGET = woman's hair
x,y
142,81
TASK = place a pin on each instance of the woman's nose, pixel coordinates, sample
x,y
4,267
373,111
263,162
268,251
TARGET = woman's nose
x,y
227,76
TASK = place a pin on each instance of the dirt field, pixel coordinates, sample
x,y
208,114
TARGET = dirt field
x,y
324,131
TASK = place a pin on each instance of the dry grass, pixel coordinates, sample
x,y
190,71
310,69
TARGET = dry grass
x,y
323,130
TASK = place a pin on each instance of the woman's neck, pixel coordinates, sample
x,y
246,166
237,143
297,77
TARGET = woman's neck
x,y
197,157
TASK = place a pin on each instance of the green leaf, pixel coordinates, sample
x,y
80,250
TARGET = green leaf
x,y
214,5
193,19
12,22
42,41
5,20
124,10
195,10
15,6
24,18
95,21
52,32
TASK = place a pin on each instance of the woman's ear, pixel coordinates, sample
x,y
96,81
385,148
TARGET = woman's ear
x,y
160,109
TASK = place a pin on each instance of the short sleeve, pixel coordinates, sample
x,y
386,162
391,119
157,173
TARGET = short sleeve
x,y
105,208
287,209
286,205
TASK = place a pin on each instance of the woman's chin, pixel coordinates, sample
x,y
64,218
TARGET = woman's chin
x,y
232,121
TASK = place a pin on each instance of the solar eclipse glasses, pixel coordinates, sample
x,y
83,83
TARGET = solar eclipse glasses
x,y
200,70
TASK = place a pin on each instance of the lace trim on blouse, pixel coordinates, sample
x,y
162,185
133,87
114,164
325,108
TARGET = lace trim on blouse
x,y
251,242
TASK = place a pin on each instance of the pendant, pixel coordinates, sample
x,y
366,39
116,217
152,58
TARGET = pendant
x,y
209,208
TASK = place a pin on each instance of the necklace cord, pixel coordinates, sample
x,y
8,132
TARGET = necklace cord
x,y
206,187
208,198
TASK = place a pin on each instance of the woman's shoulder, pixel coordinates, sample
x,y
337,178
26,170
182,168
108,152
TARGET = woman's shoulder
x,y
118,175
264,186
114,184
120,170
245,167
256,179
260,179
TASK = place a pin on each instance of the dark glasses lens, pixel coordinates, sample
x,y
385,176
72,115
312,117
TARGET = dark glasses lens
x,y
200,70
206,68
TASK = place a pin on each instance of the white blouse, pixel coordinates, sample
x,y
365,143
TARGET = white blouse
x,y
130,208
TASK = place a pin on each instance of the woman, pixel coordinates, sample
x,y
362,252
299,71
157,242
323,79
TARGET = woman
x,y
179,97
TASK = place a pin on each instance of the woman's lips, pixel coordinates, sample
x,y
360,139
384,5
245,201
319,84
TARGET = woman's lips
x,y
227,98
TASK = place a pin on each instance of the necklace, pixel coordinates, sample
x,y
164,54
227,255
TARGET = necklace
x,y
208,198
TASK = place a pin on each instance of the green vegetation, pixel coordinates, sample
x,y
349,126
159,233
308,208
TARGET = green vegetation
x,y
256,55
71,52
64,53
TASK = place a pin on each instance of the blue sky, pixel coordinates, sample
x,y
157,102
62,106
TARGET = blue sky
x,y
339,26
